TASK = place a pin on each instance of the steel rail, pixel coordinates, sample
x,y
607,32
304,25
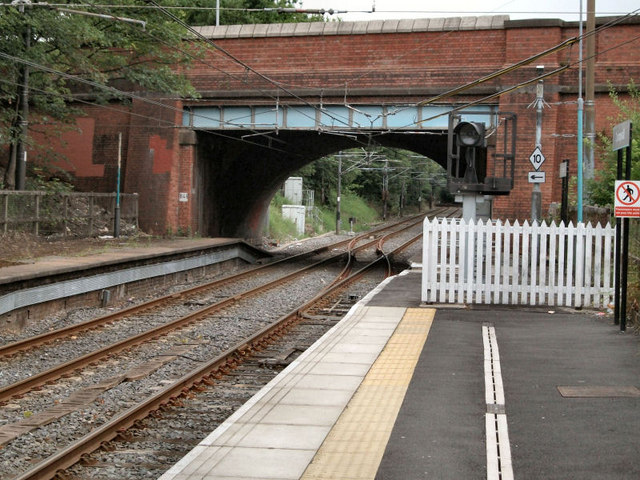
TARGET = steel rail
x,y
451,213
206,374
47,376
98,322
27,384
48,337
413,221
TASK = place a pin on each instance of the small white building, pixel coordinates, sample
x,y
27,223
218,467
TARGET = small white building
x,y
295,213
293,190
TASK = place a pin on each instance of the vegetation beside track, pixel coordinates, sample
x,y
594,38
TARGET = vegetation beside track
x,y
321,220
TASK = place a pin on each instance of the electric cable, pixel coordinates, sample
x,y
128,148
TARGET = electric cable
x,y
567,43
476,82
264,77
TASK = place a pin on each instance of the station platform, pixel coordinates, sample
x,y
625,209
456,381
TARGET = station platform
x,y
401,391
32,289
52,267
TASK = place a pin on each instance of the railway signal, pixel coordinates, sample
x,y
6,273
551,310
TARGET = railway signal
x,y
470,134
478,165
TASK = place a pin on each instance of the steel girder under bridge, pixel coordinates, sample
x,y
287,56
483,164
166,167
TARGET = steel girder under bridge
x,y
331,118
236,180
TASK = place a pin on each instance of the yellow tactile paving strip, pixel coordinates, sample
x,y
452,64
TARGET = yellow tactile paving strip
x,y
354,447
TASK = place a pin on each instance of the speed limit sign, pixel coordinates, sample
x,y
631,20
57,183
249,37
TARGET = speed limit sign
x,y
537,158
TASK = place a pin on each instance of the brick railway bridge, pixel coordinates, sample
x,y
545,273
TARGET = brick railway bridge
x,y
304,91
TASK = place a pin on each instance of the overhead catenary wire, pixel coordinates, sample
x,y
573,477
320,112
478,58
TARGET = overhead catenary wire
x,y
118,93
129,95
275,83
133,96
236,77
567,43
412,12
164,123
279,84
240,62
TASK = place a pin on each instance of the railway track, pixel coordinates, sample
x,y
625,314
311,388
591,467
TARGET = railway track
x,y
68,367
209,371
173,298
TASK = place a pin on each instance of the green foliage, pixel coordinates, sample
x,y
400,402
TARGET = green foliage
x,y
42,180
601,188
280,229
64,47
352,206
237,12
322,219
411,180
279,200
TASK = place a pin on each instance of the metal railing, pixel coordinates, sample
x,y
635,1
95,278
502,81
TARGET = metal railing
x,y
66,214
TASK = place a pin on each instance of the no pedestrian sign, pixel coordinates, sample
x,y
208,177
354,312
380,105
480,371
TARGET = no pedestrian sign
x,y
627,199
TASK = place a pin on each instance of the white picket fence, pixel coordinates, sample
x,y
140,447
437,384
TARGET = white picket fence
x,y
530,264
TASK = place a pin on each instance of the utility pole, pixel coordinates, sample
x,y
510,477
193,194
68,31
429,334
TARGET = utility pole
x,y
116,213
580,171
536,194
402,195
385,188
338,196
589,104
23,111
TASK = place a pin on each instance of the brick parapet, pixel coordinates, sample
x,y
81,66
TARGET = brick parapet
x,y
391,62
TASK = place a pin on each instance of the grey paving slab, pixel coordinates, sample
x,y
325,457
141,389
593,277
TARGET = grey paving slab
x,y
330,382
317,396
289,437
294,412
355,348
351,357
338,369
273,463
323,415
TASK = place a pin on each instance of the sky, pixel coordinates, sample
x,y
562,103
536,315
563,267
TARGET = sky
x,y
516,9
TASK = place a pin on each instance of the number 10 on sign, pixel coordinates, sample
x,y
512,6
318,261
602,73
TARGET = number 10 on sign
x,y
537,158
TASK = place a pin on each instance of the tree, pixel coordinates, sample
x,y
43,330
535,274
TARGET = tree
x,y
60,46
601,188
235,12
387,177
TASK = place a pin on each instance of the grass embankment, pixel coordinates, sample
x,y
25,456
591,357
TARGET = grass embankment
x,y
321,219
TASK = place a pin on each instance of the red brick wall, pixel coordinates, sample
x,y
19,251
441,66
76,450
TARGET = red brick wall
x,y
153,164
361,68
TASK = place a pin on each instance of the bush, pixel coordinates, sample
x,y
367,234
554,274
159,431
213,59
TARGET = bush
x,y
280,229
321,220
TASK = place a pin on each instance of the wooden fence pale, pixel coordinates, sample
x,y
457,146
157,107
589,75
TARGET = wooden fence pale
x,y
528,264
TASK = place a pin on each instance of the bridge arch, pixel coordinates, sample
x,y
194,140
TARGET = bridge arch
x,y
333,86
237,179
